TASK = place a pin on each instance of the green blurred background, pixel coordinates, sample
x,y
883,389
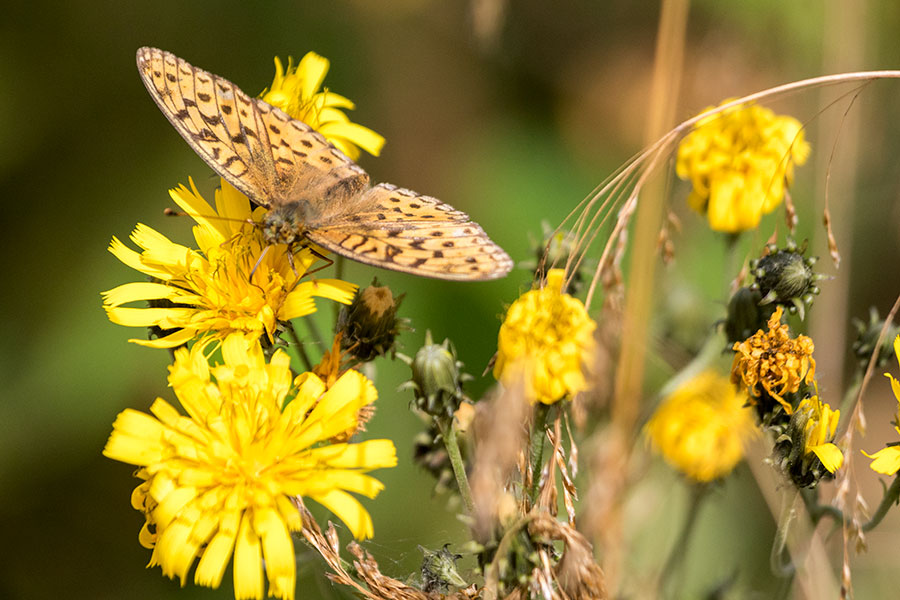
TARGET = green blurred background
x,y
513,118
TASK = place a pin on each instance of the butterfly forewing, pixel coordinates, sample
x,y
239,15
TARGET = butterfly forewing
x,y
278,161
404,231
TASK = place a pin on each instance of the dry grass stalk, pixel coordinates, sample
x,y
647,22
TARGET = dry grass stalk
x,y
846,479
369,582
500,440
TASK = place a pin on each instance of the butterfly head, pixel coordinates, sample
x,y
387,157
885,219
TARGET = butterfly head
x,y
285,224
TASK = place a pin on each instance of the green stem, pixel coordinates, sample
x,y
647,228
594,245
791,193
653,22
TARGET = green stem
x,y
817,511
451,442
537,449
779,566
890,498
304,357
679,549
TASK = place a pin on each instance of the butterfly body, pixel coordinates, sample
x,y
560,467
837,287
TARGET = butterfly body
x,y
312,190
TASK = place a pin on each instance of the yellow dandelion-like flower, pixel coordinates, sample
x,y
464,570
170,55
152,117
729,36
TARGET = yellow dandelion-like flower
x,y
547,338
234,283
887,460
701,428
740,161
220,481
818,432
774,362
296,92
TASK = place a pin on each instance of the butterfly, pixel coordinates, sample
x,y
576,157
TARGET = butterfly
x,y
312,190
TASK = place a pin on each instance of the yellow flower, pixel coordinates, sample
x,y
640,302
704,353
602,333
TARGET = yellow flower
x,y
701,428
295,91
740,161
818,432
547,338
236,282
887,460
221,480
773,361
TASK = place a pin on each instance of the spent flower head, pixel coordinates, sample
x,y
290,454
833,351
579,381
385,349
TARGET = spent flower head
x,y
773,364
547,339
740,161
220,481
701,428
887,460
295,90
234,283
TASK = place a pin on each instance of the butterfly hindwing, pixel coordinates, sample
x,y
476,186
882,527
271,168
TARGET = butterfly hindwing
x,y
404,231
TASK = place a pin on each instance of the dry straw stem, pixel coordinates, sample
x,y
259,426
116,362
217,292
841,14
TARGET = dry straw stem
x,y
846,479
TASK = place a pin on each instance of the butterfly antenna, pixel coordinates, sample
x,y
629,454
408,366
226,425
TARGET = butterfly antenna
x,y
259,260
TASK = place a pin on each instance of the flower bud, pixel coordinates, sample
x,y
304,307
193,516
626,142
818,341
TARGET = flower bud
x,y
745,315
369,326
437,379
786,278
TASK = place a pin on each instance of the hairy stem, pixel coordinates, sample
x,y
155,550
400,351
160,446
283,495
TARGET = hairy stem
x,y
451,442
537,449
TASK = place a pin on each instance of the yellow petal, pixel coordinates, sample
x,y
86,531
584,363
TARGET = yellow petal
x,y
312,68
278,552
370,454
830,455
359,135
134,292
248,574
886,461
215,560
349,510
133,260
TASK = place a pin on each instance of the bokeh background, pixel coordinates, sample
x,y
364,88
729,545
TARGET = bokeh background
x,y
511,111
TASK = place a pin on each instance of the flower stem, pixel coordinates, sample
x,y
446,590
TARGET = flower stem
x,y
451,442
537,448
679,549
890,498
817,511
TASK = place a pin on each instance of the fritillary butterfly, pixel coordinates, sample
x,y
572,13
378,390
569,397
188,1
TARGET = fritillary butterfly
x,y
314,192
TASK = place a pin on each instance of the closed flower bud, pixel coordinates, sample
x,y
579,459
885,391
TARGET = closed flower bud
x,y
786,278
369,326
745,315
436,379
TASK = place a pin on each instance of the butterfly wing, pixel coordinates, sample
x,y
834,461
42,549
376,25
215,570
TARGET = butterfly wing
x,y
256,147
401,230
